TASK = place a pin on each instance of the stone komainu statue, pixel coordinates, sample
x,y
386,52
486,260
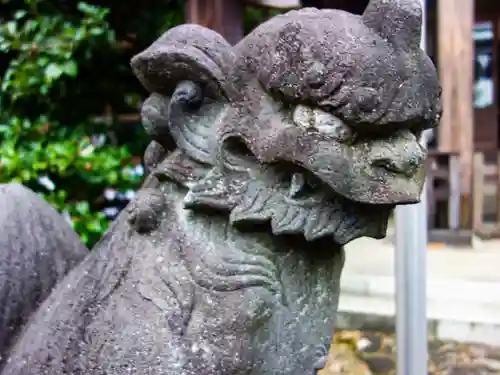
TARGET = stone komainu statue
x,y
299,139
37,249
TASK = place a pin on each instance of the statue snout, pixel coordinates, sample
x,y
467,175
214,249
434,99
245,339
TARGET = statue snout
x,y
400,154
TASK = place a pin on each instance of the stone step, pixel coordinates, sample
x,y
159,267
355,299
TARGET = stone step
x,y
467,311
437,289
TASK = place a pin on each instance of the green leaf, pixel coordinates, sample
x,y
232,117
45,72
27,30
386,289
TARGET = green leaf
x,y
87,8
20,14
40,165
26,175
82,208
53,71
96,31
11,27
85,237
113,177
95,226
70,68
4,46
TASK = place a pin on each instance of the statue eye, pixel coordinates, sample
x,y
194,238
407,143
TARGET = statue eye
x,y
322,122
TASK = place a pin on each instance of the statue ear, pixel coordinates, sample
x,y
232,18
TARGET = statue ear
x,y
398,21
185,53
186,70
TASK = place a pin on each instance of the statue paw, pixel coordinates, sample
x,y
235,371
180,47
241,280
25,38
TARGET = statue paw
x,y
144,212
321,357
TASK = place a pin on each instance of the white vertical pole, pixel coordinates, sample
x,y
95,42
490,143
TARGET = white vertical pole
x,y
411,248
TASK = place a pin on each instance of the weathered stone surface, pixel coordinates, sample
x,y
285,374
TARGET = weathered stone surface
x,y
37,249
292,143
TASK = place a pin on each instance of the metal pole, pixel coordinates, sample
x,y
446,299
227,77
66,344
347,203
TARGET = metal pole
x,y
411,248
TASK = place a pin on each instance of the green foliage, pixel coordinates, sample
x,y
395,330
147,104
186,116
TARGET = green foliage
x,y
62,65
43,144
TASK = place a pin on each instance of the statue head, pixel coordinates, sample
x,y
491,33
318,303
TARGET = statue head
x,y
310,124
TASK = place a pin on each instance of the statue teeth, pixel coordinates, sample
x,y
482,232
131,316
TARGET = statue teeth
x,y
297,183
303,116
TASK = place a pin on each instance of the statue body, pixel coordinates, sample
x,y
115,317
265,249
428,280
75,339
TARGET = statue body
x,y
286,147
37,249
218,301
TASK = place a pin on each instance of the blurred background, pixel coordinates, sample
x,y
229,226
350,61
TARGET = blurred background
x,y
70,130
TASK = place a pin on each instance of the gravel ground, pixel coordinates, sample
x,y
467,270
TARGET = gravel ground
x,y
355,352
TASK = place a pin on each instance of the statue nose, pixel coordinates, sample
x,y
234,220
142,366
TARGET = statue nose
x,y
401,154
406,167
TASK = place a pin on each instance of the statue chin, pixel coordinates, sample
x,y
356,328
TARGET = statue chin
x,y
337,217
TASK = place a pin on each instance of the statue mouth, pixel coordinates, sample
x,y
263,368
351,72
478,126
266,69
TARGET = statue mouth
x,y
282,197
292,201
348,219
373,185
307,207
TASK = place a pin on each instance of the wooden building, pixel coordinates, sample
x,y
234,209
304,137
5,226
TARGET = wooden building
x,y
463,41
